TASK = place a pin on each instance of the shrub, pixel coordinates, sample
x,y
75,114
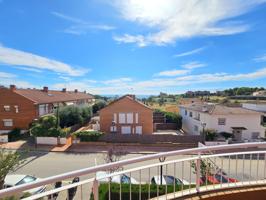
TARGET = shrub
x,y
72,115
210,134
14,134
171,117
98,106
226,135
125,190
46,127
88,136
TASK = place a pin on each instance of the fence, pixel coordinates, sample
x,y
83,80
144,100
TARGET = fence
x,y
149,139
176,175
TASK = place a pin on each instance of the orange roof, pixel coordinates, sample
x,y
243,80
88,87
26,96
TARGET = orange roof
x,y
52,96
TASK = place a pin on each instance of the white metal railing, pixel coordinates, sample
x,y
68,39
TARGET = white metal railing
x,y
238,168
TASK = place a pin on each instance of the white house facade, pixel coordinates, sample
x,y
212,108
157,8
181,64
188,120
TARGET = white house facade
x,y
243,123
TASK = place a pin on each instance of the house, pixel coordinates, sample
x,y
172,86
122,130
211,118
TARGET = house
x,y
126,115
19,107
260,93
243,123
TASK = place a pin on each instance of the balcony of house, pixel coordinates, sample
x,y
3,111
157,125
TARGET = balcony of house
x,y
235,171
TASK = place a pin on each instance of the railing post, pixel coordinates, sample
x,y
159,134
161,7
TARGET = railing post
x,y
95,188
198,163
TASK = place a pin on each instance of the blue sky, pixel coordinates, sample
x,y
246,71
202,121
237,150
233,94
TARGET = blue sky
x,y
127,46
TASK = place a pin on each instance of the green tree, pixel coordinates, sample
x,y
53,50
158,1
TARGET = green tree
x,y
98,106
9,161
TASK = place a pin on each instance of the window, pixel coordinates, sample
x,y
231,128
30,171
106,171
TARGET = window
x,y
115,118
7,108
16,109
126,130
190,114
136,118
221,121
129,118
8,122
113,129
139,130
196,128
122,118
255,135
185,112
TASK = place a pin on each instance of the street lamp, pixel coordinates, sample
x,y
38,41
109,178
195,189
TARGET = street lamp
x,y
161,159
203,131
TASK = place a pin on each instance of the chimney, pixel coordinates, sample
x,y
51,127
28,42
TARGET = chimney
x,y
76,90
64,90
45,89
12,87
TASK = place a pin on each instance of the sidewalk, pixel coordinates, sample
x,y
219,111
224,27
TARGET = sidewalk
x,y
93,147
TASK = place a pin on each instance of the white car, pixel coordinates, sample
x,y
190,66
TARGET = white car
x,y
169,180
122,178
17,179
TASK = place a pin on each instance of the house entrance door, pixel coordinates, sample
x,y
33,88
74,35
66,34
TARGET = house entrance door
x,y
237,134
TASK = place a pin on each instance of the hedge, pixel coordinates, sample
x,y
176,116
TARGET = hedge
x,y
88,136
125,191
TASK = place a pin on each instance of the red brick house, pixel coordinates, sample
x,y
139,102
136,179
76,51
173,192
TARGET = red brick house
x,y
19,107
126,115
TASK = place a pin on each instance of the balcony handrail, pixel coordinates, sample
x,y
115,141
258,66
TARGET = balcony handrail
x,y
43,194
104,167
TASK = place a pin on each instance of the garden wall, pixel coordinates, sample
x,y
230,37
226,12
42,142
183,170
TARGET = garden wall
x,y
149,139
165,126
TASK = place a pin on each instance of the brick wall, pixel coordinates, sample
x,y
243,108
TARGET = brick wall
x,y
126,105
149,139
165,126
26,110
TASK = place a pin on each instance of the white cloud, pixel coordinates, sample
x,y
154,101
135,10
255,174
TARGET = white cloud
x,y
188,53
6,75
20,58
80,26
29,69
187,68
193,65
118,81
175,72
183,18
260,58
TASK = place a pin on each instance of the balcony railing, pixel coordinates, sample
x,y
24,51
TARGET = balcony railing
x,y
183,172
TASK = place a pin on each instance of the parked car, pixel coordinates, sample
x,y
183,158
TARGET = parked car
x,y
122,178
218,178
168,180
19,179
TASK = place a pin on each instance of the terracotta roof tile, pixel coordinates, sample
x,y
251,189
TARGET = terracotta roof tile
x,y
52,96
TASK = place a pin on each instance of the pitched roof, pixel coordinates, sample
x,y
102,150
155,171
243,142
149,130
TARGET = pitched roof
x,y
130,98
218,109
52,96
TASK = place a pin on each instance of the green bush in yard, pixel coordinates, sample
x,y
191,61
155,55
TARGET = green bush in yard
x,y
46,127
125,191
88,136
14,134
72,115
171,117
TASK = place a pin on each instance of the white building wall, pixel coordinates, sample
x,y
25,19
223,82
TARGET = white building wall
x,y
250,122
256,107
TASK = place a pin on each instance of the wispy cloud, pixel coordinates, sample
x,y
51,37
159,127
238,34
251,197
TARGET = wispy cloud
x,y
187,68
188,53
6,75
260,58
24,59
118,81
29,69
174,20
193,65
175,72
80,26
